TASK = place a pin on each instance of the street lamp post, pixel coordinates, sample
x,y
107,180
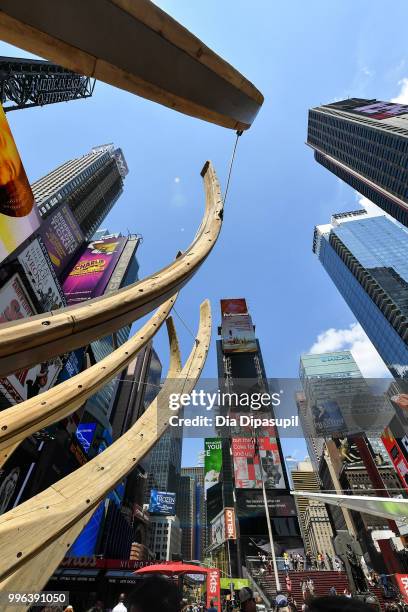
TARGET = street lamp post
x,y
268,518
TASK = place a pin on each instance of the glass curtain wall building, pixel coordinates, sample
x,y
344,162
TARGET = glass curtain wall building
x,y
365,143
366,257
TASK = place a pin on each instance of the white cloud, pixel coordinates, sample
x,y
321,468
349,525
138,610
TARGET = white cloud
x,y
353,339
402,97
176,179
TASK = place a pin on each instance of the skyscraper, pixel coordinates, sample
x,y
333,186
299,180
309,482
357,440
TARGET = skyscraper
x,y
365,143
165,464
90,185
200,516
366,257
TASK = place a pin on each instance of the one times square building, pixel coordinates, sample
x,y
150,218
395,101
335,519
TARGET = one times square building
x,y
248,458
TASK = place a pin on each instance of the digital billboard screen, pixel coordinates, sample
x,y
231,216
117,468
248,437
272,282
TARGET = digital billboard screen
x,y
233,306
212,462
238,334
28,382
19,216
41,276
162,502
248,464
251,503
91,273
62,237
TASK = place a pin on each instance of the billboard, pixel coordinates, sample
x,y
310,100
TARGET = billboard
x,y
235,306
90,275
28,382
41,276
162,502
327,418
382,110
402,581
251,503
213,588
396,455
248,464
85,434
62,237
19,216
212,462
238,334
223,526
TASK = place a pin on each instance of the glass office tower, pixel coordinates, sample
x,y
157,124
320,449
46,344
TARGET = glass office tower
x,y
366,257
365,143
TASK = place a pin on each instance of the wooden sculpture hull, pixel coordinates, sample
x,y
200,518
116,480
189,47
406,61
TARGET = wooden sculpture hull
x,y
134,45
30,341
41,527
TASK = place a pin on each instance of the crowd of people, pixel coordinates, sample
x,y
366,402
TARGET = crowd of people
x,y
321,561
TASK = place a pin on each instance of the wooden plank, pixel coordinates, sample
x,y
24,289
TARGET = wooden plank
x,y
24,419
134,45
27,530
30,341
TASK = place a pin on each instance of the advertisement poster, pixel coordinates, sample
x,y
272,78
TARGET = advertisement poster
x,y
41,276
248,464
62,237
213,588
19,217
15,304
402,581
238,334
223,526
327,418
251,503
382,110
212,462
237,306
162,502
90,275
85,434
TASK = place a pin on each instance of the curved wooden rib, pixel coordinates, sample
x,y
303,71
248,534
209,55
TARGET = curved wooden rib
x,y
134,45
30,341
175,366
21,420
35,525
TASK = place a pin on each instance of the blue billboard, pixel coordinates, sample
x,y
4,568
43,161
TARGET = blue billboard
x,y
85,435
162,502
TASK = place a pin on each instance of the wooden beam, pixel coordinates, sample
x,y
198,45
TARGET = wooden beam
x,y
134,45
24,419
41,522
30,341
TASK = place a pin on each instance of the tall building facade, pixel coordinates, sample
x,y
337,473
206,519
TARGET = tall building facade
x,y
200,517
313,518
365,143
186,512
246,458
90,185
165,464
366,257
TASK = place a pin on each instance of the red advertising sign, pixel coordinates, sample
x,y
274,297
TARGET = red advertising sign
x,y
236,306
402,581
92,272
396,455
230,527
248,464
213,589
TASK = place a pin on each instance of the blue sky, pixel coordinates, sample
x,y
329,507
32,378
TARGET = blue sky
x,y
299,54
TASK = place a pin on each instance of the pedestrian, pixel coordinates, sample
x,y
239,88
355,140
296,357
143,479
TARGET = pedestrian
x,y
246,598
291,562
347,593
303,586
333,591
286,561
310,586
292,605
212,608
98,607
120,606
301,562
270,567
308,561
281,601
295,563
69,609
288,584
